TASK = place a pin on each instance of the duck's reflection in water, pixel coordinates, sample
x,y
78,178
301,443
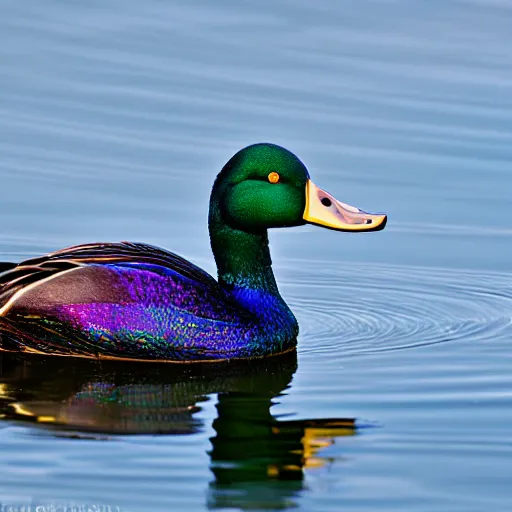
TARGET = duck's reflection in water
x,y
257,459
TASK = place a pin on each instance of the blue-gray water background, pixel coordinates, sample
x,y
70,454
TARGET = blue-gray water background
x,y
115,118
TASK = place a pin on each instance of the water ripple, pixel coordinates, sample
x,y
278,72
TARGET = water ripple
x,y
373,308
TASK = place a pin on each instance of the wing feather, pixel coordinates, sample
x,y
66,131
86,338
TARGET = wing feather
x,y
35,269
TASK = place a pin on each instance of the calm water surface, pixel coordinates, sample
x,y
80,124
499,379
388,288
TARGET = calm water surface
x,y
115,118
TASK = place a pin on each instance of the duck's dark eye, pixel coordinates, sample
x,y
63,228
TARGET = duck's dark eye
x,y
326,201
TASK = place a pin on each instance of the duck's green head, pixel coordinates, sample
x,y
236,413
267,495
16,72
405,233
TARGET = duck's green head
x,y
266,186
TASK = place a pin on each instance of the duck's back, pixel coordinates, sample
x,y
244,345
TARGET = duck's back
x,y
123,300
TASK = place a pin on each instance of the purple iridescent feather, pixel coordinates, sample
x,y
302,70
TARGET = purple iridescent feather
x,y
146,310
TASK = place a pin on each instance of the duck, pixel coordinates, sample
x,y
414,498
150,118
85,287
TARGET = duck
x,y
138,302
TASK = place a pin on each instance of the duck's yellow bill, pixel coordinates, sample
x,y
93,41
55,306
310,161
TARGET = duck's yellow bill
x,y
323,209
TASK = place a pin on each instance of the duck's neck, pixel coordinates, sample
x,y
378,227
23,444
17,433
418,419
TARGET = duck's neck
x,y
243,262
243,259
245,271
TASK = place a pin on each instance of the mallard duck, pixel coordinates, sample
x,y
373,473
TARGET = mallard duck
x,y
139,302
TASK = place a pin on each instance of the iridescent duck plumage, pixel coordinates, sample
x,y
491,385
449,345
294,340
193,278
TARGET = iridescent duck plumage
x,y
135,301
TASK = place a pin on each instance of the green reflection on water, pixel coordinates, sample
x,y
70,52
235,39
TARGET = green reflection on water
x,y
257,459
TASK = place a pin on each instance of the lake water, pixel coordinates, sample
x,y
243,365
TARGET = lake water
x,y
115,117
